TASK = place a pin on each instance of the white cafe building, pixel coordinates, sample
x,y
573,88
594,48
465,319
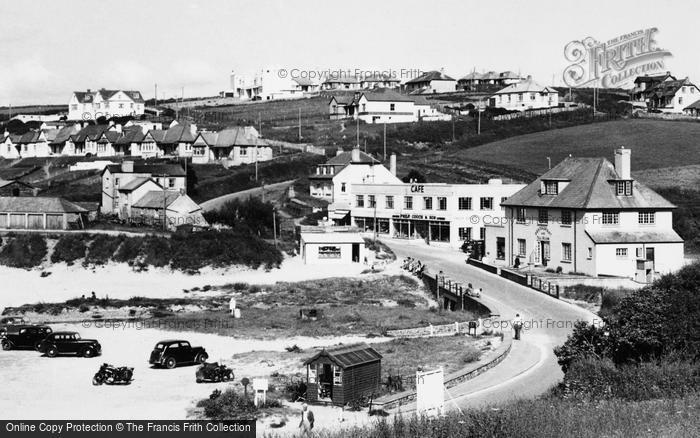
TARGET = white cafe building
x,y
449,213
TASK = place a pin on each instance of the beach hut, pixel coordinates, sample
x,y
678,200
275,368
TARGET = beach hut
x,y
343,374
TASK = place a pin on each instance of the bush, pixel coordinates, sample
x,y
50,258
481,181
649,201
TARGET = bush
x,y
69,248
470,354
229,404
102,249
24,251
129,250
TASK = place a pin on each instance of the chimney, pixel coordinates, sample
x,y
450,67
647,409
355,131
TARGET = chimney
x,y
88,90
529,77
356,154
127,166
392,164
622,162
339,151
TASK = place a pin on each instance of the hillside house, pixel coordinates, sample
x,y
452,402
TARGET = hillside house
x,y
33,144
589,216
9,148
93,140
431,82
178,139
40,213
116,177
642,84
341,82
343,106
180,209
90,105
16,188
525,95
61,141
231,146
343,374
672,96
379,80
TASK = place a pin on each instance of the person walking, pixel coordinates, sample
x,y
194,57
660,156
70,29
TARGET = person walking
x,y
232,306
306,424
517,325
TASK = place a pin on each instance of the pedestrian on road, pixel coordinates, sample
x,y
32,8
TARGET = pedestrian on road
x,y
517,325
307,420
232,306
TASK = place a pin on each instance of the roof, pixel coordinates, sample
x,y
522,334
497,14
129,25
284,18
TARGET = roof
x,y
526,86
6,182
154,199
90,132
89,96
134,184
611,236
152,169
590,187
667,88
656,78
346,158
339,237
342,79
304,81
376,77
430,76
386,95
208,137
158,135
237,136
89,206
29,137
37,204
131,134
471,76
65,133
180,133
349,355
694,105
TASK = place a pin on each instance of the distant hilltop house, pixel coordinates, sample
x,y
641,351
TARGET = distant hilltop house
x,y
431,82
589,216
666,94
90,105
342,82
269,84
473,80
525,95
376,80
232,146
383,105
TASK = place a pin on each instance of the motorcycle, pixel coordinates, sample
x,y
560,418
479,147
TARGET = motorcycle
x,y
213,372
112,375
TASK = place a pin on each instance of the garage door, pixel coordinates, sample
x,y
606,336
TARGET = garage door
x,y
54,221
3,221
17,221
35,221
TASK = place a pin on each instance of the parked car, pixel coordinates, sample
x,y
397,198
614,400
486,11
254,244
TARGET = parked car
x,y
213,372
174,352
24,336
10,321
69,343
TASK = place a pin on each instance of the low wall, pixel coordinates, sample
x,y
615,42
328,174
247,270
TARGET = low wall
x,y
453,379
516,277
485,266
435,330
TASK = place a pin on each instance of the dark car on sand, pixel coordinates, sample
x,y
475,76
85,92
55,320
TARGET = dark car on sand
x,y
23,336
173,352
69,343
9,321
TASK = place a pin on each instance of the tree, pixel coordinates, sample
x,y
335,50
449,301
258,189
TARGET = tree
x,y
415,176
16,127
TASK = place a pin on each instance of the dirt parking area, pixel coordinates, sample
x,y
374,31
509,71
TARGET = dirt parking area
x,y
34,386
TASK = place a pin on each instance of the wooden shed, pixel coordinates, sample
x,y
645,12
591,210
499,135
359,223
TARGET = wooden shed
x,y
343,374
40,213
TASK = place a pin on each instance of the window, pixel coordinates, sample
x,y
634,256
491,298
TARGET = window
x,y
611,218
522,248
482,233
371,201
442,203
342,187
337,376
359,200
566,252
590,253
640,250
486,204
74,107
623,188
121,105
464,203
680,100
312,373
427,203
408,202
329,252
647,218
132,105
465,233
392,107
390,202
542,216
244,151
551,188
520,215
621,253
532,96
566,217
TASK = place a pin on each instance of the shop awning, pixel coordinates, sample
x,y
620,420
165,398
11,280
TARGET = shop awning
x,y
339,214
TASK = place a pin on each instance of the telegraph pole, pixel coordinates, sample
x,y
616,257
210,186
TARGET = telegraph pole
x,y
299,124
256,159
274,226
357,132
155,96
384,141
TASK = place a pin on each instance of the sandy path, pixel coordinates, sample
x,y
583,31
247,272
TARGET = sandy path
x,y
19,286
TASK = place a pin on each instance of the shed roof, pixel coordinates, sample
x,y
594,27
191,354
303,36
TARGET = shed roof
x,y
348,356
344,158
646,236
153,169
386,95
430,76
340,237
154,199
135,184
37,204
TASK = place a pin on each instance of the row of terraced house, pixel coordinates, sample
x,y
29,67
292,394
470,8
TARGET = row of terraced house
x,y
142,139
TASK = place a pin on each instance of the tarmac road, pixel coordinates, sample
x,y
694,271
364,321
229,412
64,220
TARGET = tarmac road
x,y
531,367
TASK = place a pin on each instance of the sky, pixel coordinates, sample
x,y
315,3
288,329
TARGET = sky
x,y
48,48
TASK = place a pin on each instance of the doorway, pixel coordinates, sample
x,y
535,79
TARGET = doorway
x,y
325,382
544,252
356,252
650,257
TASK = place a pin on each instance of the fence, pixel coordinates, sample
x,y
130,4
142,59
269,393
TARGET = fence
x,y
544,285
538,112
539,284
452,295
485,266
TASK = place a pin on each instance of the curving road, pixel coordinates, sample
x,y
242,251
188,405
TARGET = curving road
x,y
531,367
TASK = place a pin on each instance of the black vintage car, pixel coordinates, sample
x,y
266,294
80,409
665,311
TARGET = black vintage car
x,y
213,372
173,352
69,343
23,336
9,321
